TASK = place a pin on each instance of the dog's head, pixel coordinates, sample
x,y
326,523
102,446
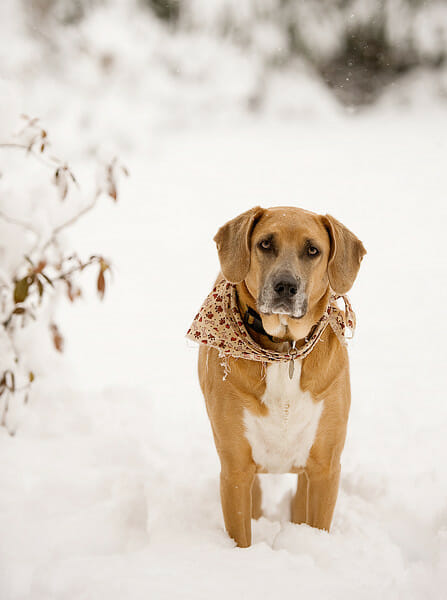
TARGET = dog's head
x,y
289,259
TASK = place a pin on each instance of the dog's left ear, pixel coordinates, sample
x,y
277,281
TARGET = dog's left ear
x,y
345,257
233,244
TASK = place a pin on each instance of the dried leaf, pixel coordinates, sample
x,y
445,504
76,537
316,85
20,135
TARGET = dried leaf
x,y
10,380
58,340
111,182
40,287
101,283
21,289
111,186
69,290
19,310
72,292
73,178
31,377
60,181
31,144
41,266
47,279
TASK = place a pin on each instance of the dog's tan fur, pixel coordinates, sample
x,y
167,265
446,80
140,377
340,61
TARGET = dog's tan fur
x,y
325,372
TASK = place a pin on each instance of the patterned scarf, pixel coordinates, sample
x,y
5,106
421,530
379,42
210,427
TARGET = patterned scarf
x,y
219,324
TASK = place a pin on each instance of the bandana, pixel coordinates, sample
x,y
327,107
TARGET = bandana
x,y
220,325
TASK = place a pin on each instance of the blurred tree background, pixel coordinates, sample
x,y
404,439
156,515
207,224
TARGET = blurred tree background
x,y
356,47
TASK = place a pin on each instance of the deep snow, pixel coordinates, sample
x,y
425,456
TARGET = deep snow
x,y
110,485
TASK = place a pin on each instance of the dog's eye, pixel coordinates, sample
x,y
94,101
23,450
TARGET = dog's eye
x,y
265,244
312,251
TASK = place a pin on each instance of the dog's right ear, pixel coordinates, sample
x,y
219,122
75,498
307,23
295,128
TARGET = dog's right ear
x,y
233,244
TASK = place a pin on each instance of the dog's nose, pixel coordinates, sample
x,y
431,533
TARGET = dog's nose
x,y
286,287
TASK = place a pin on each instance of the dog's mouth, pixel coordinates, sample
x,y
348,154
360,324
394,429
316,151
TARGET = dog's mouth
x,y
294,310
297,313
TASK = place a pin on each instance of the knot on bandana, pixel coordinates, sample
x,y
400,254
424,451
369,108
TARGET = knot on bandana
x,y
220,325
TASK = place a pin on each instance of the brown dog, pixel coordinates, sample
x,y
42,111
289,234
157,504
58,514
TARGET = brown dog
x,y
281,417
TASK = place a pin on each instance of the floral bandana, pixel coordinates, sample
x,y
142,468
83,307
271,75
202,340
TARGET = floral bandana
x,y
220,325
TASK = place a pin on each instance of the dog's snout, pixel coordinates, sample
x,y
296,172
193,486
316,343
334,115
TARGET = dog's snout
x,y
286,287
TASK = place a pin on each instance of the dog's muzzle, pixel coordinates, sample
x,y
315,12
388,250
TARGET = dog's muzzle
x,y
283,294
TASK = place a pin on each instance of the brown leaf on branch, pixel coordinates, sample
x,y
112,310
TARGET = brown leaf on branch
x,y
41,266
40,287
113,191
47,279
101,281
110,181
8,382
21,289
58,340
111,187
101,284
72,292
60,181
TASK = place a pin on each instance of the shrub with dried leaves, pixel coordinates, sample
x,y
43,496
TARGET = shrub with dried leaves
x,y
46,268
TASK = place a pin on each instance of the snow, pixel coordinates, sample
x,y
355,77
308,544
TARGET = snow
x,y
110,484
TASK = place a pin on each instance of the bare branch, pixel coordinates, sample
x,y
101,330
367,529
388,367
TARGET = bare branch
x,y
69,222
52,162
19,223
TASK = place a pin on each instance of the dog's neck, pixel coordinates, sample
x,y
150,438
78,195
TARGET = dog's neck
x,y
256,326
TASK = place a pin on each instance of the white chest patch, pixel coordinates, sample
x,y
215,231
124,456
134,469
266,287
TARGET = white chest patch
x,y
282,439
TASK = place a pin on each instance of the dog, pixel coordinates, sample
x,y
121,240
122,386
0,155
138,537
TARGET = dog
x,y
274,375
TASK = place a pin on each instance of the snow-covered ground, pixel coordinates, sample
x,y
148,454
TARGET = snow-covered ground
x,y
109,489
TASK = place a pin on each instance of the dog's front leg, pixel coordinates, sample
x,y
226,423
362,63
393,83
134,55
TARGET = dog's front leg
x,y
315,498
235,493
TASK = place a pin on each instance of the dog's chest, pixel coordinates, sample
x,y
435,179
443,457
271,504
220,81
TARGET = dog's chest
x,y
282,439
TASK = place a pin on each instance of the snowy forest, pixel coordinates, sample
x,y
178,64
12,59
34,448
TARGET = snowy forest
x,y
130,131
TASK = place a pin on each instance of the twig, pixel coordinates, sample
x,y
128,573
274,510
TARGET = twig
x,y
77,268
69,222
21,224
37,155
5,411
